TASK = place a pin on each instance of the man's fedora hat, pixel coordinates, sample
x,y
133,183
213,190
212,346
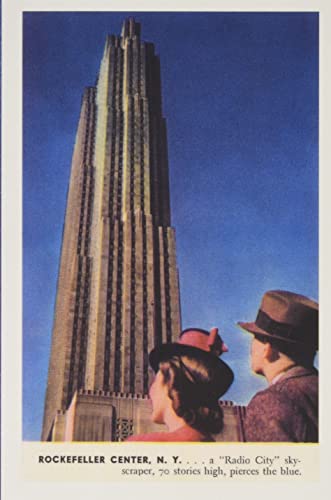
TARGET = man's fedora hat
x,y
202,345
286,316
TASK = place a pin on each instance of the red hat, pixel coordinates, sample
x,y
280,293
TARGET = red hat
x,y
286,316
202,345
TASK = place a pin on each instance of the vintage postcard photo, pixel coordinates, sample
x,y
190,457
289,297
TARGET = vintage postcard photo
x,y
169,190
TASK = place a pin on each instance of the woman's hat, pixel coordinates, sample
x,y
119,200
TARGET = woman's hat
x,y
202,345
286,316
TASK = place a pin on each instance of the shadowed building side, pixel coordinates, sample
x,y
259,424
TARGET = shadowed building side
x,y
66,367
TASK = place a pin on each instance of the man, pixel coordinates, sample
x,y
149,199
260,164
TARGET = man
x,y
283,349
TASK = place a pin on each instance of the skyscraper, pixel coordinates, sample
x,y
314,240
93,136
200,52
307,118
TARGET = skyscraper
x,y
117,291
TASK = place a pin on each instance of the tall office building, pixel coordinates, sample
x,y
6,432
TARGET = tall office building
x,y
117,291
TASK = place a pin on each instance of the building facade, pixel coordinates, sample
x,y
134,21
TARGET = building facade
x,y
118,290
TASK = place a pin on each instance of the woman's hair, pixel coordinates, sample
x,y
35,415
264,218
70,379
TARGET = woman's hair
x,y
191,389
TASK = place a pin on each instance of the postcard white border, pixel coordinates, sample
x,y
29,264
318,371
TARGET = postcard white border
x,y
13,484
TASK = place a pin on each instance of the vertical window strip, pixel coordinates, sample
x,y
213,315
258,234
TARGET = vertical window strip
x,y
138,68
145,310
119,309
133,305
167,284
142,162
119,306
91,135
115,69
133,229
117,125
109,308
89,212
121,135
120,168
82,213
157,288
75,332
91,176
112,166
84,327
132,151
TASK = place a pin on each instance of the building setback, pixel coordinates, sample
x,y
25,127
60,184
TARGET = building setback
x,y
117,291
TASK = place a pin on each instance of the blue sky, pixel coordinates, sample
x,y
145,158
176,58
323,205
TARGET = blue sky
x,y
240,96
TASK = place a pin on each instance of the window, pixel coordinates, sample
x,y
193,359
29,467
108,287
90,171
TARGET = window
x,y
124,429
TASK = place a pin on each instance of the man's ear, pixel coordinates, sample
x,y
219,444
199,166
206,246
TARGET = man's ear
x,y
270,353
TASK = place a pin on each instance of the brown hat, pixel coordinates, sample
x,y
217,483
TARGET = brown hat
x,y
202,345
287,316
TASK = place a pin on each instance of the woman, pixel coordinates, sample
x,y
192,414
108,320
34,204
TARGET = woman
x,y
190,379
